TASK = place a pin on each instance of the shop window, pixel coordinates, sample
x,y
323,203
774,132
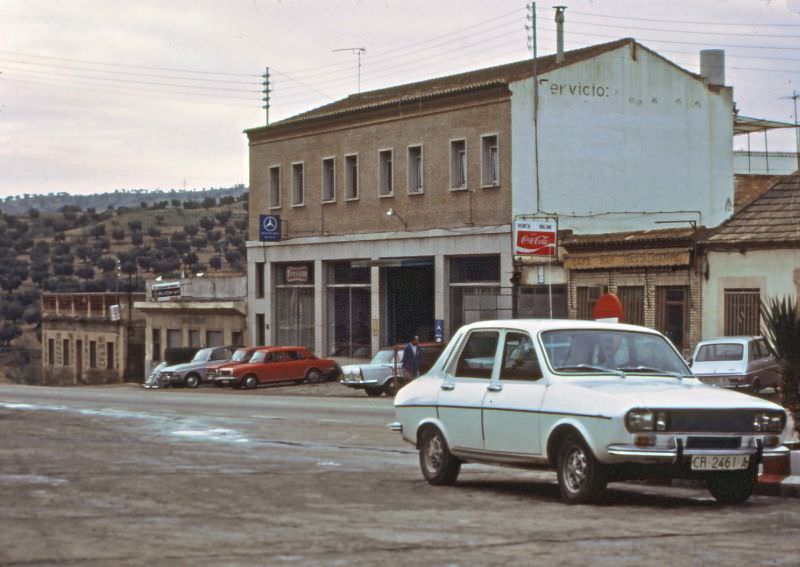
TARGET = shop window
x,y
174,338
261,330
632,299
215,338
92,354
349,309
51,352
157,344
236,338
294,304
475,269
742,312
415,170
328,180
475,290
537,301
65,353
194,338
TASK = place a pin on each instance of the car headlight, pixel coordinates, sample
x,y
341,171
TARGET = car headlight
x,y
646,420
769,421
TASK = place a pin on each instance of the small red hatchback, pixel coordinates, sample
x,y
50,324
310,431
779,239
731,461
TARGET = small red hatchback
x,y
277,364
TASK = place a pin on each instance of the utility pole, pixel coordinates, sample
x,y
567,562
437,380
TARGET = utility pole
x,y
794,97
266,92
531,28
355,51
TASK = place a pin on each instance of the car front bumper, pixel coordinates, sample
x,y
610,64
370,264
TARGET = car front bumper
x,y
678,454
361,384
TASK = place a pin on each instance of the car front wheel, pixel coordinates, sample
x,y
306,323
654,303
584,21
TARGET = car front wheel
x,y
438,465
581,478
249,382
192,381
732,487
373,392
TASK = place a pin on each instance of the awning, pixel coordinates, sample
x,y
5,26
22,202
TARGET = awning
x,y
665,257
748,125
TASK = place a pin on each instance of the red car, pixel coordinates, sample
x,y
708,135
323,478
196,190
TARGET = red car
x,y
277,364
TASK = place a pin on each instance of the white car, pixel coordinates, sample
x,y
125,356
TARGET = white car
x,y
599,402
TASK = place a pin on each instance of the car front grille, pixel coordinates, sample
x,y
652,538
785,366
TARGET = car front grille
x,y
712,421
713,442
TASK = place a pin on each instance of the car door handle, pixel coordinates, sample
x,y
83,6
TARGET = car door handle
x,y
494,387
448,386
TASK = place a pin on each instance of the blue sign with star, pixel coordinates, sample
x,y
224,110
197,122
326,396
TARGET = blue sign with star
x,y
269,228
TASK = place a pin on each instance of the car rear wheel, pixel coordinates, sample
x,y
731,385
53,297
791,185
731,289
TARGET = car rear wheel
x,y
732,487
314,376
192,381
249,382
373,392
438,465
391,387
581,478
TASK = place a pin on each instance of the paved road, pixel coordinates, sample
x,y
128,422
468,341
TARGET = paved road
x,y
124,476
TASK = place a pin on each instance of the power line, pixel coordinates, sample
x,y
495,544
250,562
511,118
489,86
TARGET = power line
x,y
118,65
704,23
672,30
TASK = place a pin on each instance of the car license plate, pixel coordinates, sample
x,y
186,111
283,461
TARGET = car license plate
x,y
720,462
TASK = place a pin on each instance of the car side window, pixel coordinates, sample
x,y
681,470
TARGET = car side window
x,y
277,356
221,354
519,359
259,357
763,350
295,355
477,357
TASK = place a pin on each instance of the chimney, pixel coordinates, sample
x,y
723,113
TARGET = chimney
x,y
712,66
559,33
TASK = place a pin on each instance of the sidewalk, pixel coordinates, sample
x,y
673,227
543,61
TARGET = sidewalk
x,y
781,477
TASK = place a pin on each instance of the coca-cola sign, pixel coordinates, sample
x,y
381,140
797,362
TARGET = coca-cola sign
x,y
535,238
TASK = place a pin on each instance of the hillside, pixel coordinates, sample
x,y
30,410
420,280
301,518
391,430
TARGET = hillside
x,y
130,198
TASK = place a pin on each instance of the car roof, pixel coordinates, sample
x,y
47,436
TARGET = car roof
x,y
742,339
279,348
537,325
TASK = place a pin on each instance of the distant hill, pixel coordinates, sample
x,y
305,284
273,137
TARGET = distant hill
x,y
130,198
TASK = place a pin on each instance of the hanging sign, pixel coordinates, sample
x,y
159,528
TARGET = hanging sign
x,y
269,228
536,238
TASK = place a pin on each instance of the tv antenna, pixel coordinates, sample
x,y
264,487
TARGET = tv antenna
x,y
355,51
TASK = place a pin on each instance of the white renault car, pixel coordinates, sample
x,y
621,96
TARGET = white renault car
x,y
599,402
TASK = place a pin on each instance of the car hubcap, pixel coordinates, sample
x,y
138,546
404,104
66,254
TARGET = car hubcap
x,y
576,469
433,456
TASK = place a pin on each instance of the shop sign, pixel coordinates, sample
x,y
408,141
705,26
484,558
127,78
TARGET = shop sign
x,y
536,238
269,228
165,291
296,274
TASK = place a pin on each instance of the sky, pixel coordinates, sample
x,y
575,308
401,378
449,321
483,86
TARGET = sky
x,y
104,95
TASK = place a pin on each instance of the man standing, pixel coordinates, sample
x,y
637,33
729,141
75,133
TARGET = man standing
x,y
412,358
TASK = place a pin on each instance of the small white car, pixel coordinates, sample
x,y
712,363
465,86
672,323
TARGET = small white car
x,y
599,402
736,362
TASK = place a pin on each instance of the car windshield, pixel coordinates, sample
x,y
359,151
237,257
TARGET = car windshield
x,y
720,352
617,352
241,355
386,356
203,355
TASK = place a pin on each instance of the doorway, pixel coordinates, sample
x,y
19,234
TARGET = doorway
x,y
408,301
671,314
79,360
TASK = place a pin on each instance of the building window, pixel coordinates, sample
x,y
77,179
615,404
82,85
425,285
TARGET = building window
x,y
586,298
174,338
742,312
259,279
65,353
109,355
51,352
415,170
329,180
92,354
215,338
275,187
671,310
632,299
386,175
458,164
194,338
157,344
351,177
490,161
294,304
261,329
298,185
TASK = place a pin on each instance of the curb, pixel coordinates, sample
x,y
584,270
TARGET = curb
x,y
780,477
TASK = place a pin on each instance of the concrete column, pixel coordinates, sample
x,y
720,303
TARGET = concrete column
x,y
375,310
440,295
267,303
319,309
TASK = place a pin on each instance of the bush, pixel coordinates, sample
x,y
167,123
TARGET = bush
x,y
781,327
